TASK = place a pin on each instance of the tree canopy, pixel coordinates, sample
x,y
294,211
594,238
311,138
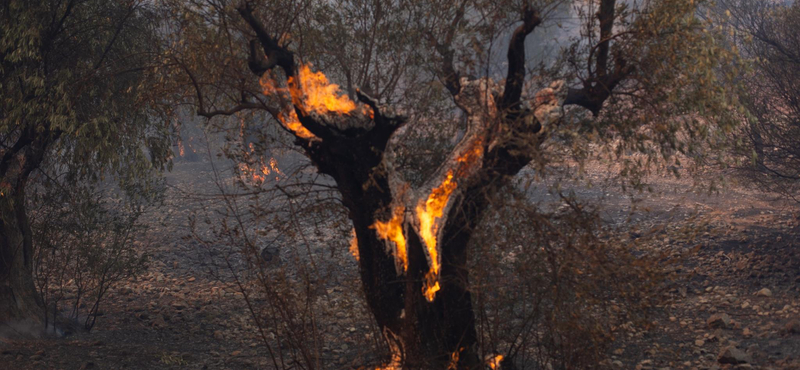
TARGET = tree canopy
x,y
76,93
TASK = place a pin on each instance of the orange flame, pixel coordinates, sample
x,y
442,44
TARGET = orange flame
x,y
453,365
494,362
354,245
293,124
181,150
319,95
310,91
288,117
393,230
432,209
396,362
263,170
429,212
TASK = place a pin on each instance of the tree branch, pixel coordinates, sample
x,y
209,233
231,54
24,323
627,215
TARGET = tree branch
x,y
116,35
516,61
606,17
451,78
276,55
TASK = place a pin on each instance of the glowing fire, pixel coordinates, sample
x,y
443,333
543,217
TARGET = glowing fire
x,y
428,212
288,117
432,209
354,245
396,362
310,92
453,365
291,122
181,150
393,230
319,95
494,362
259,173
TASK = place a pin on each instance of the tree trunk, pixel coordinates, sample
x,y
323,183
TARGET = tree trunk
x,y
21,308
412,243
20,304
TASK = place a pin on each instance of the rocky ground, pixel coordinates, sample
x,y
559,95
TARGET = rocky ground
x,y
735,302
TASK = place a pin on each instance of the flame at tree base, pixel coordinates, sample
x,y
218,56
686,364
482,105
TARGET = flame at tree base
x,y
494,362
396,361
354,245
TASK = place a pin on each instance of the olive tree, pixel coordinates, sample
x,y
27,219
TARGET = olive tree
x,y
75,93
642,73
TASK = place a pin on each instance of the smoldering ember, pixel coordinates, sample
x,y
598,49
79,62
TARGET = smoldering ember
x,y
400,184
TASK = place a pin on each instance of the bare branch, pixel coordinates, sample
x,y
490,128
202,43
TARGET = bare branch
x,y
276,54
516,61
606,17
451,78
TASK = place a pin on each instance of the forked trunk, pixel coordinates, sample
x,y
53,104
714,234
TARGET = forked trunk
x,y
412,243
422,334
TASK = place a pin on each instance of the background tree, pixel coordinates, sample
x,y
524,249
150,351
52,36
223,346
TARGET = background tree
x,y
643,71
767,34
74,91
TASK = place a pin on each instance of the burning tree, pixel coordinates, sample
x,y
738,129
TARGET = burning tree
x,y
632,67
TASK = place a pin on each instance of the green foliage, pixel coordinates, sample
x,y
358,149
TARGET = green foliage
x,y
679,104
75,74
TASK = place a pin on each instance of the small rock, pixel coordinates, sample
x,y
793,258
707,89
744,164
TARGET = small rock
x,y
733,355
764,293
699,342
236,353
746,332
717,320
191,279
